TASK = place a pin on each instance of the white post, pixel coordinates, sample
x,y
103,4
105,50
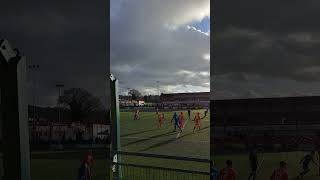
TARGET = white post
x,y
14,114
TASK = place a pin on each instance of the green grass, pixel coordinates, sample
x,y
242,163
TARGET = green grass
x,y
62,169
270,162
136,136
64,166
144,136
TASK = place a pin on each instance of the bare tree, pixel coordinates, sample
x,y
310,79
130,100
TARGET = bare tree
x,y
80,102
135,94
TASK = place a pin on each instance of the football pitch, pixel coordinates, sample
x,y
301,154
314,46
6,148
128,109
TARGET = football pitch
x,y
144,136
268,162
63,166
136,136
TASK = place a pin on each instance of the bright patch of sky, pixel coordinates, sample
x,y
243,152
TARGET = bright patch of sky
x,y
151,39
203,25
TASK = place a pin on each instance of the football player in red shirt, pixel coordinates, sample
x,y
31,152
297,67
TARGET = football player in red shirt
x,y
181,120
196,120
228,173
280,173
160,119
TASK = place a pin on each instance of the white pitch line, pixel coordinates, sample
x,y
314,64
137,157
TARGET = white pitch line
x,y
178,135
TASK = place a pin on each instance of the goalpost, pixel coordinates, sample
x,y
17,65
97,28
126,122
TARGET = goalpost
x,y
115,127
133,169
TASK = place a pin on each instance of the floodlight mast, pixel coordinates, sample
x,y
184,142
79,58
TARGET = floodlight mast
x,y
59,86
115,125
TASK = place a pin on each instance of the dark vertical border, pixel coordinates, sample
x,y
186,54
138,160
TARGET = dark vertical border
x,y
107,20
212,50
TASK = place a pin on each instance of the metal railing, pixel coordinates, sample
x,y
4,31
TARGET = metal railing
x,y
133,171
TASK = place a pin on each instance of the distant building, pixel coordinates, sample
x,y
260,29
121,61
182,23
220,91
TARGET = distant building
x,y
51,114
186,100
100,131
258,111
131,103
44,131
145,101
267,116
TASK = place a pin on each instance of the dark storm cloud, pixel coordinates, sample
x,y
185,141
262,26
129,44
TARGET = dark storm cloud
x,y
271,16
151,41
68,39
277,41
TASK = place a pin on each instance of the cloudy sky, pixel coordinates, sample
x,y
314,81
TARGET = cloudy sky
x,y
161,40
265,48
68,39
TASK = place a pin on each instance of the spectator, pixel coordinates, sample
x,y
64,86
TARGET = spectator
x,y
214,171
228,173
281,173
85,172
